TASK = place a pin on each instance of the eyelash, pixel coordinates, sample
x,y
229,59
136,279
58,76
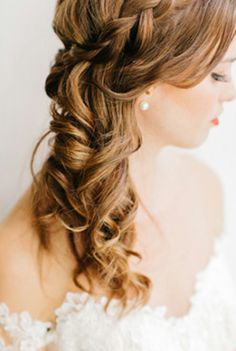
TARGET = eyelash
x,y
219,77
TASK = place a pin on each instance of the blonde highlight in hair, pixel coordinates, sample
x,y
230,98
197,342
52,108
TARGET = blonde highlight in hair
x,y
112,51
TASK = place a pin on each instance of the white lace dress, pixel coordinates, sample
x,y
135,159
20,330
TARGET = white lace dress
x,y
82,324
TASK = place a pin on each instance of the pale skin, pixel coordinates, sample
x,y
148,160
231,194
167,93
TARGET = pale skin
x,y
187,203
182,118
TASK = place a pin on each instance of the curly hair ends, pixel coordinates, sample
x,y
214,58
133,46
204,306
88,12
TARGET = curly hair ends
x,y
113,50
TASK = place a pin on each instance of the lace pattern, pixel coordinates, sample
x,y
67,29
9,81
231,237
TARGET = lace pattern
x,y
26,334
210,323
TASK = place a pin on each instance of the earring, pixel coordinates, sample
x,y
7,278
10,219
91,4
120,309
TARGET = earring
x,y
144,105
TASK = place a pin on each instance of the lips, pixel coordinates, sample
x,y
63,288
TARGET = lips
x,y
215,121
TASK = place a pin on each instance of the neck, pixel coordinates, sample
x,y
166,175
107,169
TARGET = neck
x,y
149,169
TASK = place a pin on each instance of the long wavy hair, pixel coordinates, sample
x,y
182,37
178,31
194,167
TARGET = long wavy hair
x,y
112,51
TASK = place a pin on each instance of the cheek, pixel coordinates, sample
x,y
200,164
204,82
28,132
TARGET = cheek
x,y
202,106
198,103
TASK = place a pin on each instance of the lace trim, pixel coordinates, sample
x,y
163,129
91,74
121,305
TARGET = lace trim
x,y
27,334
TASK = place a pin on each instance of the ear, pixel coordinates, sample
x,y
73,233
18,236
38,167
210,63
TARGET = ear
x,y
148,91
147,94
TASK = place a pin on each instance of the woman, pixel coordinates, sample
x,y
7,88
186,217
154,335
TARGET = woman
x,y
133,78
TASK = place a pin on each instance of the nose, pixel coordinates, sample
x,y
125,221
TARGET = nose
x,y
229,92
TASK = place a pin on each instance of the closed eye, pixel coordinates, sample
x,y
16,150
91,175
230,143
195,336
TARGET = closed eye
x,y
219,77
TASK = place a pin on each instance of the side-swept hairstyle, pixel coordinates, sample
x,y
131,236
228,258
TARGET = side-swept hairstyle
x,y
112,51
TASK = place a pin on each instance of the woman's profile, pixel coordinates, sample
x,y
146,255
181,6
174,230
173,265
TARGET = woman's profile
x,y
116,244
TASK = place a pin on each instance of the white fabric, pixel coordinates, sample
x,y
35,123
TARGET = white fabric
x,y
82,324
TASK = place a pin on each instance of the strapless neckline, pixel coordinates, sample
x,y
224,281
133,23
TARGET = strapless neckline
x,y
79,298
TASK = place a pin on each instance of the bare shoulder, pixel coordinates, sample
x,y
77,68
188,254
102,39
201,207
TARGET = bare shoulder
x,y
204,184
200,169
20,287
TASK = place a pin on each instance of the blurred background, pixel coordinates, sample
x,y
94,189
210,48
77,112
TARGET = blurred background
x,y
27,47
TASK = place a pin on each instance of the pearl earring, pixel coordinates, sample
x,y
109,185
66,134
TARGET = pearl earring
x,y
144,105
